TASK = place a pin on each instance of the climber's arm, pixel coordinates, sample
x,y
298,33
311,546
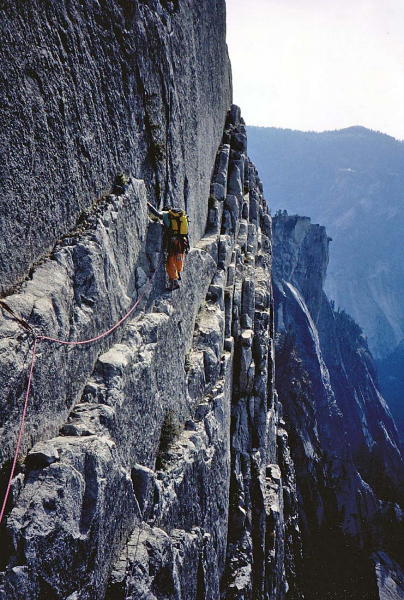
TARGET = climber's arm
x,y
154,211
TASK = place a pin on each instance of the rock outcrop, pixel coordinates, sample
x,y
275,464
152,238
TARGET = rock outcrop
x,y
349,471
156,467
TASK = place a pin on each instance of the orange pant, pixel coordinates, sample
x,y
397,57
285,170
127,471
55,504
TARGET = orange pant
x,y
174,265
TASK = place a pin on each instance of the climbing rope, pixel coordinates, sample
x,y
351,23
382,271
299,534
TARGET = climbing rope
x,y
20,431
40,338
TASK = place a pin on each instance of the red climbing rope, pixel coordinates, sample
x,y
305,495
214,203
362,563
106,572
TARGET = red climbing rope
x,y
20,430
97,337
37,339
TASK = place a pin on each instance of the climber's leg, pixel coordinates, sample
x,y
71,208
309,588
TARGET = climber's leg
x,y
179,263
171,267
172,272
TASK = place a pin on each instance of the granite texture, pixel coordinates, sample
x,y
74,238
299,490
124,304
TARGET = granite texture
x,y
90,89
153,456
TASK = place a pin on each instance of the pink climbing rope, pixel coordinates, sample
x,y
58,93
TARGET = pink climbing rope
x,y
97,337
20,430
37,339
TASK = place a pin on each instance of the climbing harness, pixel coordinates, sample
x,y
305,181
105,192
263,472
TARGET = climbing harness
x,y
42,338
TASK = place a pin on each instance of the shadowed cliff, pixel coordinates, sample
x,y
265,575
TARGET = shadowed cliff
x,y
344,443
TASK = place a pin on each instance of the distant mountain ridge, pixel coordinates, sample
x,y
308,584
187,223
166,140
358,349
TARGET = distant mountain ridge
x,y
351,181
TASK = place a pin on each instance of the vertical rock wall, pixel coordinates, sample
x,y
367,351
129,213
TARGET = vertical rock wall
x,y
89,89
93,88
162,469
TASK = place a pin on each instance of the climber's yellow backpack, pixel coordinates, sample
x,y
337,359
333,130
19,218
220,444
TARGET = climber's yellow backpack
x,y
178,221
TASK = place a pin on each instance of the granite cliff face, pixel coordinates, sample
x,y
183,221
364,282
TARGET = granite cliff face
x,y
153,465
92,88
344,444
157,462
150,461
110,77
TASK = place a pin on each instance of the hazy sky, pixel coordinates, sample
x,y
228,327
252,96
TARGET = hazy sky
x,y
318,64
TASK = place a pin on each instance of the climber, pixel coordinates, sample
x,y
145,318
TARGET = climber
x,y
175,241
